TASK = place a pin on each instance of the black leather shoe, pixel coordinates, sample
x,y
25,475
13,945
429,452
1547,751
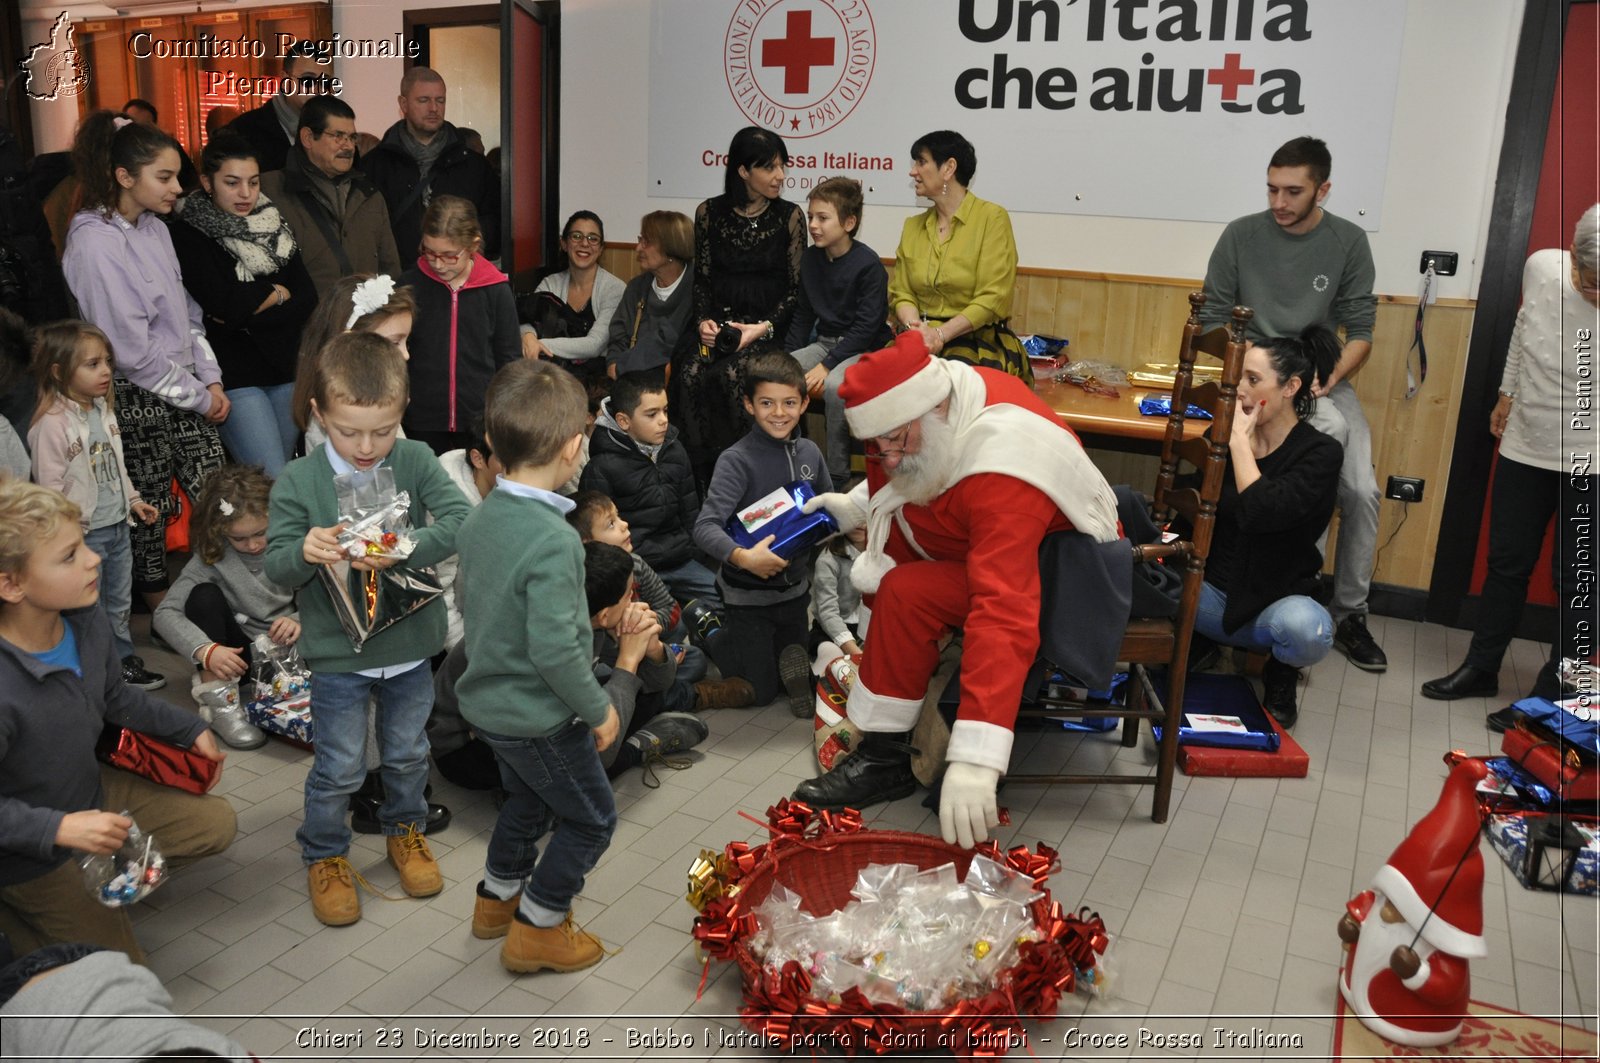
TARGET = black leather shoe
x,y
1464,682
1502,721
878,771
1279,682
364,817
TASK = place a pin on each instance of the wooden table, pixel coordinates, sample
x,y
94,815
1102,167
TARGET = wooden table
x,y
1111,423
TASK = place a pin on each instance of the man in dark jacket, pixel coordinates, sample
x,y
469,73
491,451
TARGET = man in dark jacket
x,y
422,156
637,460
337,217
272,127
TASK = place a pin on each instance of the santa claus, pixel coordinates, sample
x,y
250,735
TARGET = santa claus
x,y
1411,935
967,472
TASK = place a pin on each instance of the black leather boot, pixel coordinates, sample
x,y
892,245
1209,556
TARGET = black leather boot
x,y
1280,682
1464,682
878,771
365,803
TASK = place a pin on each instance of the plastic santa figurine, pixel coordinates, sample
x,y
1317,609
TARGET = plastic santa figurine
x,y
1410,936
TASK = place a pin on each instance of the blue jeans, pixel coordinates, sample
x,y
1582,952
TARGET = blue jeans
x,y
838,429
116,579
1295,630
694,665
260,428
692,580
339,709
554,785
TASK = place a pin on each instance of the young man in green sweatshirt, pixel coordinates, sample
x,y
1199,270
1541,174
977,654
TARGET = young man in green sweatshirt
x,y
529,690
1297,265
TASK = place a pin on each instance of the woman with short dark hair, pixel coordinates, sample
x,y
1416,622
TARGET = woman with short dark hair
x,y
956,266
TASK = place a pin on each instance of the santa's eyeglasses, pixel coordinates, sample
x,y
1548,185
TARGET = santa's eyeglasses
x,y
893,445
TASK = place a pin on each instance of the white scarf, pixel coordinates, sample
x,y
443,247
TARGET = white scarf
x,y
1006,439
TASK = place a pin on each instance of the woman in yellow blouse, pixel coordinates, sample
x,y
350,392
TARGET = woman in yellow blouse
x,y
957,262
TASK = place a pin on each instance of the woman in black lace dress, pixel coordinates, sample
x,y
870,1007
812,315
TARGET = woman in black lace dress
x,y
748,243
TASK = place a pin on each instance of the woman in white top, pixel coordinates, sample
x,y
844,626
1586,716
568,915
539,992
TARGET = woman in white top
x,y
586,297
1545,423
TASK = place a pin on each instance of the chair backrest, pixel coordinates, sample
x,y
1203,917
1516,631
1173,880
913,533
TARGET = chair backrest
x,y
1207,453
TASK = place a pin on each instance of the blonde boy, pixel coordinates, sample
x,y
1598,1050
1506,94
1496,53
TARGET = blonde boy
x,y
358,397
60,683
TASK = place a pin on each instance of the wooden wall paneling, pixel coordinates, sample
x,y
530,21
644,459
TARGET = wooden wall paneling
x,y
1130,320
1410,437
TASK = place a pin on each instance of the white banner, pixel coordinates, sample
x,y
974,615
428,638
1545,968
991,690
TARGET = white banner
x,y
1130,108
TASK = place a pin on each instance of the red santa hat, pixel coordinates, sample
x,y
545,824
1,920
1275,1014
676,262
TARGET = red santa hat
x,y
1428,872
888,388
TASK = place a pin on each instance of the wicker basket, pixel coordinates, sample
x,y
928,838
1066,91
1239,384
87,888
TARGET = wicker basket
x,y
820,866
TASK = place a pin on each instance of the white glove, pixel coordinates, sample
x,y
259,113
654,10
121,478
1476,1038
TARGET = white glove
x,y
967,809
844,509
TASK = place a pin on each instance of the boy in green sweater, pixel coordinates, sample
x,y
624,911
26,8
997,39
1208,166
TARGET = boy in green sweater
x,y
529,690
359,394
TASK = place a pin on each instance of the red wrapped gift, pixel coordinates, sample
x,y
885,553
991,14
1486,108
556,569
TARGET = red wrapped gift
x,y
160,762
1549,762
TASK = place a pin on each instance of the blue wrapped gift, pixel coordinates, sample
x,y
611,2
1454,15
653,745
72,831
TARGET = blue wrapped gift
x,y
779,513
1222,711
1574,719
289,719
1161,406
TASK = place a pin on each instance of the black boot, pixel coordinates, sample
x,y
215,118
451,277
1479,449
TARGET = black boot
x,y
1464,682
365,803
878,771
1279,681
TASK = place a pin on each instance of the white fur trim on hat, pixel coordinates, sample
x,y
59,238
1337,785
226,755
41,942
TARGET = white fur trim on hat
x,y
901,404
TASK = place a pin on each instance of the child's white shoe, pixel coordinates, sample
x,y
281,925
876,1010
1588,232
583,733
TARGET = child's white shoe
x,y
220,707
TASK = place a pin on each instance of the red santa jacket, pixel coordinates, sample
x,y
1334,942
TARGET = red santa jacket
x,y
994,524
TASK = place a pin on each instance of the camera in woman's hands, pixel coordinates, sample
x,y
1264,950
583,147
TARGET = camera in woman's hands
x,y
728,339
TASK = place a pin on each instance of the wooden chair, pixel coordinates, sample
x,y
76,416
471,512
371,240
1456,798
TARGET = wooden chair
x,y
1164,643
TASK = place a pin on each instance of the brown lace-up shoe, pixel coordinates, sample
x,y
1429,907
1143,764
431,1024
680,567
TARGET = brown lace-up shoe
x,y
491,917
556,948
410,855
723,694
332,884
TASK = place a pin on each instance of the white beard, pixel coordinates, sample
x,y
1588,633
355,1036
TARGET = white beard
x,y
925,475
1378,942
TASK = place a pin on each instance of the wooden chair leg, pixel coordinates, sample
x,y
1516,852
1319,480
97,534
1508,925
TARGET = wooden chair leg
x,y
1177,681
1130,725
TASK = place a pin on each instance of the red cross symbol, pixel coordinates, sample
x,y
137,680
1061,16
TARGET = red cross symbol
x,y
1230,76
797,52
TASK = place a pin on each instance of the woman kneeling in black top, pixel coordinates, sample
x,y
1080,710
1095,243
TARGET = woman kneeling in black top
x,y
1278,494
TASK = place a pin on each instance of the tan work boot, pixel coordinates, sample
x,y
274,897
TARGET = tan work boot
x,y
556,948
410,855
332,884
491,917
723,694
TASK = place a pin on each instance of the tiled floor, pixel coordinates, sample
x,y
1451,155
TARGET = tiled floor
x,y
1224,916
